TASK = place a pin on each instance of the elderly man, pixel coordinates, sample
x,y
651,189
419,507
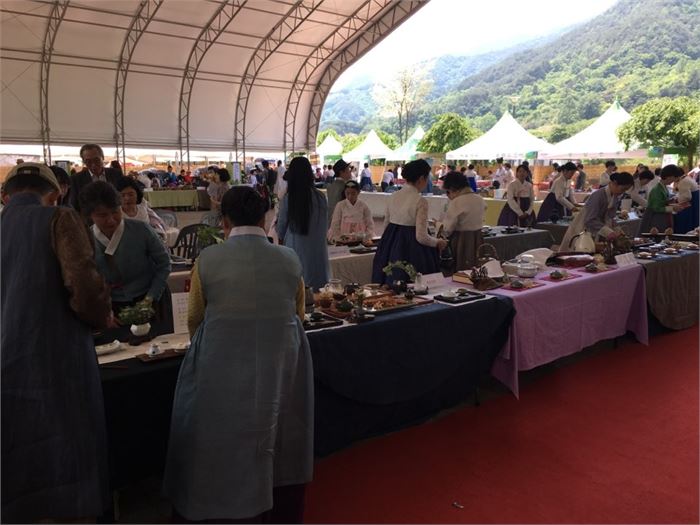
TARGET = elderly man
x,y
54,463
94,161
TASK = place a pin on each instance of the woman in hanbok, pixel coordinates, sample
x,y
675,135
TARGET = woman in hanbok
x,y
660,209
598,214
302,222
134,207
686,194
241,436
519,208
463,220
406,236
560,200
351,217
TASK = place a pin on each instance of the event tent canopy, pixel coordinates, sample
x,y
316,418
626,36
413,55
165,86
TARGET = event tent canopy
x,y
232,75
372,147
407,150
597,141
506,139
330,146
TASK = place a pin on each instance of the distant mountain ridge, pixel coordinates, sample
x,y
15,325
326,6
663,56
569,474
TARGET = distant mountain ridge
x,y
635,51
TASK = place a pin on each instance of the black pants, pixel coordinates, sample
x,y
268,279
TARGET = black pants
x,y
385,185
287,507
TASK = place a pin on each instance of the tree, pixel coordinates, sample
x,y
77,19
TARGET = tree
x,y
388,138
350,141
323,134
665,122
449,132
401,96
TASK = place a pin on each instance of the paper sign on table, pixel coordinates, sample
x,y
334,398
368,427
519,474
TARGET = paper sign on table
x,y
338,251
493,267
625,259
180,301
433,280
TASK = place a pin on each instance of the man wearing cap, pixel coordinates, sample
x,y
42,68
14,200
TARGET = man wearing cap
x,y
335,191
94,160
54,463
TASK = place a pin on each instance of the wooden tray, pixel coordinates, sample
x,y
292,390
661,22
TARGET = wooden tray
x,y
325,322
583,270
416,301
534,284
168,353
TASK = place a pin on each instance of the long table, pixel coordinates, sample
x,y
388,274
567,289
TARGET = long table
x,y
370,379
558,230
172,198
437,204
562,318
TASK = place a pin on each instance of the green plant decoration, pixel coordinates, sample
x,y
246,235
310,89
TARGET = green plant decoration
x,y
208,235
401,265
141,313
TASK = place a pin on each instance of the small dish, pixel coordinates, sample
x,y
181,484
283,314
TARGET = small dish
x,y
108,348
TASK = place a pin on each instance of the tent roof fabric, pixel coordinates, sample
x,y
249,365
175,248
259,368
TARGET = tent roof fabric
x,y
597,141
506,139
371,147
205,74
408,149
329,146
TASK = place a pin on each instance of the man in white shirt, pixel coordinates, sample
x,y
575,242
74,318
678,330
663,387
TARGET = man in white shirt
x,y
695,173
387,179
610,168
327,173
281,183
499,174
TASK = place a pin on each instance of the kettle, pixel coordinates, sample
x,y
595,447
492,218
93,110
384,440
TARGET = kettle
x,y
583,242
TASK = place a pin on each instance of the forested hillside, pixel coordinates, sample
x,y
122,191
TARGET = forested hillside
x,y
635,51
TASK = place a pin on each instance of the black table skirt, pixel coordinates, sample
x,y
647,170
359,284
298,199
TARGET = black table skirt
x,y
370,379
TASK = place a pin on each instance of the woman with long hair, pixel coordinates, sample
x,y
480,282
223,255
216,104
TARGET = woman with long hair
x,y
302,222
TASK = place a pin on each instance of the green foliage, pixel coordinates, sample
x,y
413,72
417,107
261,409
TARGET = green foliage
x,y
449,132
666,122
208,235
323,134
351,141
388,139
401,265
140,313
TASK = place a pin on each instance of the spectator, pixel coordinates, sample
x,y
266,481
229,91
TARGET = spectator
x,y
93,159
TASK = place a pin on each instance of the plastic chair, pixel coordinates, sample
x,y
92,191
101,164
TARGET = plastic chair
x,y
169,218
211,219
186,244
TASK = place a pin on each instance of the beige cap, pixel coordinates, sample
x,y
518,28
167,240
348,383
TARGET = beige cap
x,y
34,168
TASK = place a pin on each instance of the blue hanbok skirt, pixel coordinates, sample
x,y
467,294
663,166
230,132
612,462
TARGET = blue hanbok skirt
x,y
509,218
399,243
688,219
549,207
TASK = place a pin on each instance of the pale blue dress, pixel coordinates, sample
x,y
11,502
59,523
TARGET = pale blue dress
x,y
311,248
242,418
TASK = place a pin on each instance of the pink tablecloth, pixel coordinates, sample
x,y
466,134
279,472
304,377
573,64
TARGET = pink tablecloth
x,y
562,318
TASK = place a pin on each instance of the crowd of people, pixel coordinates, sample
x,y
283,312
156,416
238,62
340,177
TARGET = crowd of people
x,y
78,249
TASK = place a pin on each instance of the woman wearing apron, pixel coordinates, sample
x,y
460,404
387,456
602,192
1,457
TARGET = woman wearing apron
x,y
518,210
659,212
598,213
351,216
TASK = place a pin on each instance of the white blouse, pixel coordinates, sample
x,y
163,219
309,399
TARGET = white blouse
x,y
561,187
464,213
408,207
348,219
684,188
516,190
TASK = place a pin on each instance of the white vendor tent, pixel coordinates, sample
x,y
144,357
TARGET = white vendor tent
x,y
370,148
407,150
506,139
329,146
597,141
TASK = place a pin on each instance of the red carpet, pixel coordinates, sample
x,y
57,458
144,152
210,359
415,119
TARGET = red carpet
x,y
612,438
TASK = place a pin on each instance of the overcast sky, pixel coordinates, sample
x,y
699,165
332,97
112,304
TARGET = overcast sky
x,y
464,27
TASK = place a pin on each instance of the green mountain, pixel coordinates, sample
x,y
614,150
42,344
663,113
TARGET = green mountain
x,y
635,51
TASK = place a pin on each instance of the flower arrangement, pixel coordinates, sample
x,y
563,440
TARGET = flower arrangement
x,y
208,235
401,265
141,313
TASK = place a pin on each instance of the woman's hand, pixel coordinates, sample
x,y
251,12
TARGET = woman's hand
x,y
681,206
523,216
441,244
113,322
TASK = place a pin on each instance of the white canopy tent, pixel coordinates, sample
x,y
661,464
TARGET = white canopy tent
x,y
506,139
370,148
407,150
597,141
329,146
228,75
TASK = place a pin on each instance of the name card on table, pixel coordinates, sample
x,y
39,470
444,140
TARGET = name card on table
x,y
433,280
625,259
180,303
338,251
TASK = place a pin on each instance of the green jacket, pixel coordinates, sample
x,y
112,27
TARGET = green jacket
x,y
658,199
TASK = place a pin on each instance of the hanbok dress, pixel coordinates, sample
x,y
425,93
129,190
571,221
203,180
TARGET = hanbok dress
x,y
351,219
520,200
406,237
559,201
597,217
687,219
462,225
